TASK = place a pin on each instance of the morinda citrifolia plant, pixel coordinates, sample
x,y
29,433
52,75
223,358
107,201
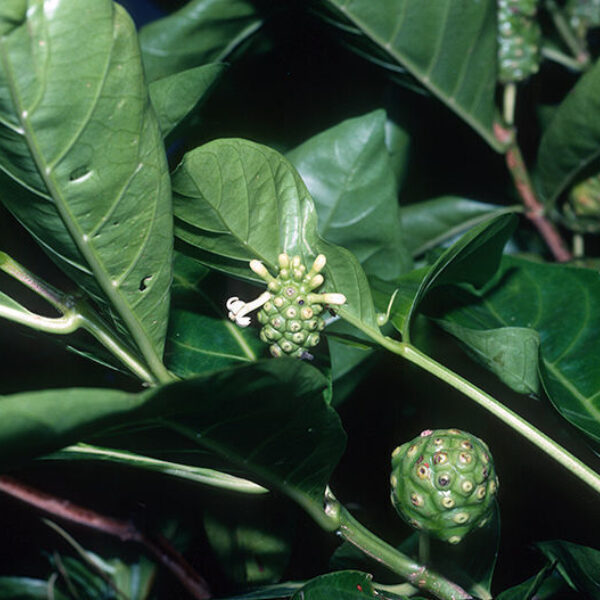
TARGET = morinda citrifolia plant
x,y
265,265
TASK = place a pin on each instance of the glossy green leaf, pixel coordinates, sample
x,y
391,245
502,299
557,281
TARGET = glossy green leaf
x,y
253,541
174,96
528,589
343,585
269,418
201,32
241,201
83,166
572,140
201,338
579,565
210,477
431,223
450,48
348,172
27,588
511,353
556,302
473,259
269,592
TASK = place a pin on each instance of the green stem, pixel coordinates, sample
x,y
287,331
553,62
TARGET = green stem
x,y
76,314
507,416
562,59
424,547
417,574
575,45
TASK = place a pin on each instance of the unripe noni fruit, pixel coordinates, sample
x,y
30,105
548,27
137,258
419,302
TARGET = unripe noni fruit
x,y
444,483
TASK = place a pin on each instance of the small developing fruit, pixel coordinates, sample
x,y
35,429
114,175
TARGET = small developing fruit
x,y
444,483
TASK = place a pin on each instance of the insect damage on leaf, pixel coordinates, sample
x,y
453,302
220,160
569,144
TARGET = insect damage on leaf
x,y
290,311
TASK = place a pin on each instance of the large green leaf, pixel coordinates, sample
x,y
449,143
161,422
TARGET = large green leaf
x,y
201,338
83,164
173,97
235,200
579,565
269,419
556,302
572,140
348,172
431,223
450,47
529,588
201,32
473,259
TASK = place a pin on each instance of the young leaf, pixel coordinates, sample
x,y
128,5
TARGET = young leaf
x,y
554,301
201,32
174,96
84,166
449,47
241,201
431,223
474,258
349,175
579,565
572,140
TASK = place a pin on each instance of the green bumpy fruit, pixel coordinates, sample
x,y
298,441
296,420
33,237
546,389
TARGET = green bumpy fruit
x,y
519,40
444,483
291,323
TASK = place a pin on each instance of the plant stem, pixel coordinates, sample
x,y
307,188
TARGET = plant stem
x,y
562,59
417,574
575,45
157,546
424,547
507,416
535,209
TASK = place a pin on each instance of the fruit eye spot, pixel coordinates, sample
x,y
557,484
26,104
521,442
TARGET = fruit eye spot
x,y
465,458
438,441
290,291
461,518
466,445
439,458
422,472
447,502
467,486
300,302
443,480
480,493
416,499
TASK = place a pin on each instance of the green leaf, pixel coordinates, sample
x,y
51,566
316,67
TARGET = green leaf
x,y
201,338
431,223
201,32
269,592
26,588
241,201
556,302
174,96
343,585
572,140
252,542
579,565
511,353
103,215
473,259
190,473
449,47
349,174
528,589
268,418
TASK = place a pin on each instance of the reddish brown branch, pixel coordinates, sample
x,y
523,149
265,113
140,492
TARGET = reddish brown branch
x,y
158,546
535,209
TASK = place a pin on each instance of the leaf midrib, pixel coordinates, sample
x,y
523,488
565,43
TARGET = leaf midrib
x,y
87,251
416,72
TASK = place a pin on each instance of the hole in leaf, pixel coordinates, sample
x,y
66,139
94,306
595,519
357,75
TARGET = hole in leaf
x,y
79,173
144,283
